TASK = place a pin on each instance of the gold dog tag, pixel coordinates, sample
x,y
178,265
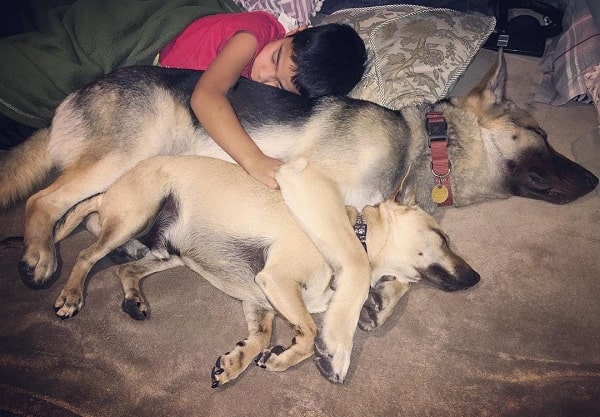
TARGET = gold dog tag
x,y
439,193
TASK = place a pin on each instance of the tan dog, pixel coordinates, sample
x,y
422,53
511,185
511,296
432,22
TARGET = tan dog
x,y
243,240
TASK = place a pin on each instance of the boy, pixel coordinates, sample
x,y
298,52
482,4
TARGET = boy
x,y
317,61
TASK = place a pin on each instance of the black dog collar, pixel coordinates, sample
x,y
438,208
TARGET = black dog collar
x,y
360,228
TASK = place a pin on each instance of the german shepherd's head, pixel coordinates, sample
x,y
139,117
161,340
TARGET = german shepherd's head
x,y
517,149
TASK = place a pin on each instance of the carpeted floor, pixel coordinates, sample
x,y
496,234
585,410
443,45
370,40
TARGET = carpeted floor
x,y
524,342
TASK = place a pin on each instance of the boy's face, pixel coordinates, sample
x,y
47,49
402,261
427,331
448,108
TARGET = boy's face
x,y
273,65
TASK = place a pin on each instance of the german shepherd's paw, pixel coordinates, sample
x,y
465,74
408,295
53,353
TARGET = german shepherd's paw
x,y
332,366
37,268
68,303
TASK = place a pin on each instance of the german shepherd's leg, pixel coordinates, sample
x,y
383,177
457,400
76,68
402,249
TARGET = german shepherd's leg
x,y
284,295
317,203
260,328
132,273
383,298
46,207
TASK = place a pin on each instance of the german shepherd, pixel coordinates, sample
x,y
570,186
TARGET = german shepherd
x,y
103,130
256,252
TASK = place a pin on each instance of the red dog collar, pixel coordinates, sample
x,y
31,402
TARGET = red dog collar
x,y
437,138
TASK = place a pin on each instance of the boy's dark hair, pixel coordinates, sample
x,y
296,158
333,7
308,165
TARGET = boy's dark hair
x,y
329,59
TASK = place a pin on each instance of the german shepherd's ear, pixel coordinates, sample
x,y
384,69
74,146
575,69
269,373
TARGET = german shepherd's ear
x,y
491,89
406,191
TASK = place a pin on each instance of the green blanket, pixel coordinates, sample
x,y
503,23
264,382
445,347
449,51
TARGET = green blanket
x,y
78,41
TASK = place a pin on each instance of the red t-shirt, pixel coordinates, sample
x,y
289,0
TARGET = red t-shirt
x,y
198,45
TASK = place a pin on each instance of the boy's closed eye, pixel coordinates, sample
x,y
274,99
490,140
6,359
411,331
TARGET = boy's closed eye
x,y
276,59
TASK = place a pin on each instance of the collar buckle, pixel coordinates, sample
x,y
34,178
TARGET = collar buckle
x,y
437,140
437,128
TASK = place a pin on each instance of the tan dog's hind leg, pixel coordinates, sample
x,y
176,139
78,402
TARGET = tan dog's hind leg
x,y
119,223
132,273
316,202
260,328
284,295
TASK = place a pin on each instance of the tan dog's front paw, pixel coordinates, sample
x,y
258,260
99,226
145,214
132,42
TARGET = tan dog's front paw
x,y
368,315
68,303
332,363
381,302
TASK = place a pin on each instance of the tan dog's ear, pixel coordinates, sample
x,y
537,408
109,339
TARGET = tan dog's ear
x,y
406,193
352,213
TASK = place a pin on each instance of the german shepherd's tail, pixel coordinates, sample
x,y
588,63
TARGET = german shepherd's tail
x,y
24,167
75,216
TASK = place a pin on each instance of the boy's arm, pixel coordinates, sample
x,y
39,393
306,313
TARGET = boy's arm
x,y
214,111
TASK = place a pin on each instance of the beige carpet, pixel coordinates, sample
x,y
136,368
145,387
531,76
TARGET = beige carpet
x,y
523,342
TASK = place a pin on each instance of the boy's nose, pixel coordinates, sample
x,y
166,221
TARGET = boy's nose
x,y
269,75
272,83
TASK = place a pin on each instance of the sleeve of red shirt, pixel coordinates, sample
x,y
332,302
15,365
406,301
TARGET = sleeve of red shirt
x,y
198,45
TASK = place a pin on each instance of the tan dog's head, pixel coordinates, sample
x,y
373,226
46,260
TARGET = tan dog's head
x,y
405,242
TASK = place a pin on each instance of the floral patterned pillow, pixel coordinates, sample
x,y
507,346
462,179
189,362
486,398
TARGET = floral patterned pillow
x,y
416,54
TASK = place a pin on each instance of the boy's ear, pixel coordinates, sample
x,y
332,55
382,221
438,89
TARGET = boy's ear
x,y
298,29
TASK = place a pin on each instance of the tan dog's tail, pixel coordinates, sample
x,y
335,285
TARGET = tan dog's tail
x,y
24,167
75,216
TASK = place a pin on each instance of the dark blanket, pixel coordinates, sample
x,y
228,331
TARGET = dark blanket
x,y
76,42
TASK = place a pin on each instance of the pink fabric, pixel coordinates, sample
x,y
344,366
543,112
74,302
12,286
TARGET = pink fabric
x,y
198,45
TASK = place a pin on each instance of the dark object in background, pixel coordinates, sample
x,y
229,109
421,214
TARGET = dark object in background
x,y
330,6
10,18
524,33
12,133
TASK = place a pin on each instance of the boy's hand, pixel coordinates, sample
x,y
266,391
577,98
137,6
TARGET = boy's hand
x,y
263,168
